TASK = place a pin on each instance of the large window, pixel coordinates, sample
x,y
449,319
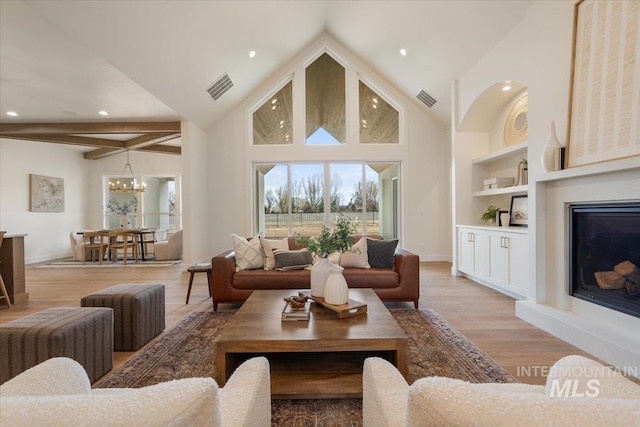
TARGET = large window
x,y
272,121
158,207
325,102
298,198
378,119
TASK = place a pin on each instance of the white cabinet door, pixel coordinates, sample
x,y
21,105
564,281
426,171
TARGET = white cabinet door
x,y
465,255
517,263
497,258
472,255
480,259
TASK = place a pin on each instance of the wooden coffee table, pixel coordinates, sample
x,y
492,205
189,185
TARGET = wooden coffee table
x,y
317,359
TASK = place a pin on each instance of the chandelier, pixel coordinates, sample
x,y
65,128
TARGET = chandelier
x,y
120,186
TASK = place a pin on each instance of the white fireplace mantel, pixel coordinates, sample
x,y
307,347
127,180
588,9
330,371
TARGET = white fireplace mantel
x,y
605,333
619,165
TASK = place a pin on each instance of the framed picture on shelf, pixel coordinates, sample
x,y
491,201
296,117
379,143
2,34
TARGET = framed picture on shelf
x,y
498,220
519,211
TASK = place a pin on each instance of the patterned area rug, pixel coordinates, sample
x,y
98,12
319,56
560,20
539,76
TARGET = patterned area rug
x,y
435,348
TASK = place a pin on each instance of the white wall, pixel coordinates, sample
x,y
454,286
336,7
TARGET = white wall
x,y
48,232
195,185
424,155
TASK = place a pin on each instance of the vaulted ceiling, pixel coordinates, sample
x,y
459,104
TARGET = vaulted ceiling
x,y
152,61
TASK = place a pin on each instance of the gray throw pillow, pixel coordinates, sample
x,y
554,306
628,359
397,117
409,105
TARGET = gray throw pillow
x,y
292,260
381,253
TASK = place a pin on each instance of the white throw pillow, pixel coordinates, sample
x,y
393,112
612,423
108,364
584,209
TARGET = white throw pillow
x,y
248,252
356,256
268,246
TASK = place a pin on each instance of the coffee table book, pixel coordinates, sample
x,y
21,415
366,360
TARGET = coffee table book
x,y
289,314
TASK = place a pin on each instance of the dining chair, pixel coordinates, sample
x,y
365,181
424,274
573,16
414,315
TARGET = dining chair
x,y
123,239
3,288
92,240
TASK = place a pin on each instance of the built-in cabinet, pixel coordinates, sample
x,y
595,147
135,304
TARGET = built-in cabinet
x,y
497,257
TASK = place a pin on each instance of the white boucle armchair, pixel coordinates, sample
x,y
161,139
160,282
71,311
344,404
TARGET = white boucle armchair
x,y
436,401
169,249
57,392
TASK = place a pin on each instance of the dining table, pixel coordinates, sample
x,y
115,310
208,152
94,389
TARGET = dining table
x,y
144,236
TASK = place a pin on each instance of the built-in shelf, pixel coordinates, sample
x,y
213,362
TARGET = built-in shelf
x,y
512,229
618,165
513,150
517,189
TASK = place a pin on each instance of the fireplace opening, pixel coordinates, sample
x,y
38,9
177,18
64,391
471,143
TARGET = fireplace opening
x,y
604,254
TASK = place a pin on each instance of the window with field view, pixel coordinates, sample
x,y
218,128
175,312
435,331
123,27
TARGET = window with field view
x,y
299,198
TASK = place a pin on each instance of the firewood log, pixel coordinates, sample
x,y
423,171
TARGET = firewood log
x,y
610,280
625,268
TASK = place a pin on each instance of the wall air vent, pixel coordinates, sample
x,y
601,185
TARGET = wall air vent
x,y
220,87
427,99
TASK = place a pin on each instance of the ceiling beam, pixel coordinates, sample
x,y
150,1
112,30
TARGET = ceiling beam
x,y
137,143
67,139
89,128
106,152
163,149
150,139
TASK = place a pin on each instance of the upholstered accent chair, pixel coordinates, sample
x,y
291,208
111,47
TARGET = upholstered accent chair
x,y
76,246
170,249
579,391
58,392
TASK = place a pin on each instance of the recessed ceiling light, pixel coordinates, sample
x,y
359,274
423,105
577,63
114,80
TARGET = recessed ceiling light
x,y
403,52
252,53
12,114
506,88
103,113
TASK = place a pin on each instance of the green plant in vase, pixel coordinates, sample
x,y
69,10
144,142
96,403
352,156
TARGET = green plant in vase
x,y
491,215
328,242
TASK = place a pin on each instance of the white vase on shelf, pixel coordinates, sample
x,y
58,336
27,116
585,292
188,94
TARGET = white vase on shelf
x,y
319,274
549,153
336,291
125,222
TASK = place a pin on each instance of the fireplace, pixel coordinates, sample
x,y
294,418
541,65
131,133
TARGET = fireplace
x,y
604,254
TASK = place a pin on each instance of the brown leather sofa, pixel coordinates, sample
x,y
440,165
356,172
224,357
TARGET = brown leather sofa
x,y
400,284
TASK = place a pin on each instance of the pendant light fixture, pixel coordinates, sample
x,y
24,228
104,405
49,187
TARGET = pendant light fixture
x,y
127,176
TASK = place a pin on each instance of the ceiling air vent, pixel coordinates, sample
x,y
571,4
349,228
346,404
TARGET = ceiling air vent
x,y
427,99
220,87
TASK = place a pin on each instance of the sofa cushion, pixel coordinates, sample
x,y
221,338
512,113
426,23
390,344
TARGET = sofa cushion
x,y
376,278
292,260
381,252
356,256
271,279
248,252
268,246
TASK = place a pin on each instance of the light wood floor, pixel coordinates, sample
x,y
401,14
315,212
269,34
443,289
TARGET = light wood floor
x,y
483,315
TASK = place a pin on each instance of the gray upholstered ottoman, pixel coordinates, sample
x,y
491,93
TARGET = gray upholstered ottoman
x,y
138,313
82,334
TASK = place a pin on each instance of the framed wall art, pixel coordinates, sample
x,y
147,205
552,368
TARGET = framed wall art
x,y
47,193
519,211
604,94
